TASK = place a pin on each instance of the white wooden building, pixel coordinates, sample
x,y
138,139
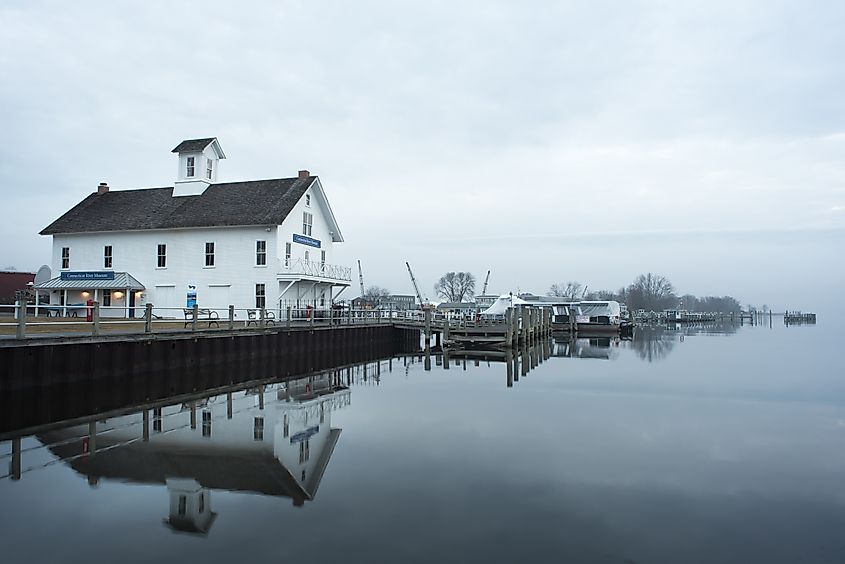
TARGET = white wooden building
x,y
252,244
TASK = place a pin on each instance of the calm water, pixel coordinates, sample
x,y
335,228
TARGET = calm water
x,y
711,446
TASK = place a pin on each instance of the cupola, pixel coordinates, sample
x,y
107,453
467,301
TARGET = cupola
x,y
198,162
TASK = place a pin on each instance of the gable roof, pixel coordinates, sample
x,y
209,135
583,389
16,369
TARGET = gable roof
x,y
255,202
191,145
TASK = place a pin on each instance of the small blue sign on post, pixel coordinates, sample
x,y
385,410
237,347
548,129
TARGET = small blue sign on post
x,y
88,275
191,296
306,240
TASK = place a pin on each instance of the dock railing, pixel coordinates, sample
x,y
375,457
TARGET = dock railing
x,y
22,320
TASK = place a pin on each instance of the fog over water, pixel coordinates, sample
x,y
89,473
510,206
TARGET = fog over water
x,y
701,140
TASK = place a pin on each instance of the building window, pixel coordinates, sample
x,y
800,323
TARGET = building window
x,y
260,300
209,254
258,429
183,505
107,256
323,299
307,220
190,170
307,257
201,508
308,200
65,257
287,254
162,255
261,253
106,298
206,423
322,260
285,427
303,451
209,168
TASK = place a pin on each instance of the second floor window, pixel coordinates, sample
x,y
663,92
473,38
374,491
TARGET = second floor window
x,y
209,254
261,253
307,220
209,168
287,254
189,172
107,256
260,298
65,257
322,259
161,260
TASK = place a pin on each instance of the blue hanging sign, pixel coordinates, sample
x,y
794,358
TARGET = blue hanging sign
x,y
92,275
306,240
304,435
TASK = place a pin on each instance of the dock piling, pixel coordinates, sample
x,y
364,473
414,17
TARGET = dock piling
x,y
20,332
95,317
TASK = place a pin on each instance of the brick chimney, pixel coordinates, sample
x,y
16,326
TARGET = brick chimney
x,y
102,188
303,174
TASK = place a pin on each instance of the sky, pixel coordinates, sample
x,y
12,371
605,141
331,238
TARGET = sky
x,y
543,141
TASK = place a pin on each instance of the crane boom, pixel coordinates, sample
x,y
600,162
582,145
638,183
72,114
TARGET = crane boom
x,y
486,280
414,282
361,278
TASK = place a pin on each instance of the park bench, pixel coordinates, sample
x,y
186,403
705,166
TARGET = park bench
x,y
208,315
253,317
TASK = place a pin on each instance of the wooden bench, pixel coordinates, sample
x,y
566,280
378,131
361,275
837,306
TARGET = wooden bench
x,y
253,317
208,315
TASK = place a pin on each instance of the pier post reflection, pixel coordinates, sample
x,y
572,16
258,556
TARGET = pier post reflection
x,y
15,462
509,364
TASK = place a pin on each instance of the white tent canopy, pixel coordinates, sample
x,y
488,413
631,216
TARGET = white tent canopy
x,y
501,305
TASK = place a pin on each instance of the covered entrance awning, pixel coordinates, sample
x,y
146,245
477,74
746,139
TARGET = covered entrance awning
x,y
90,281
120,281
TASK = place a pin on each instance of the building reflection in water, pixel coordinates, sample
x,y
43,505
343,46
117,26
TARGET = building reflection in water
x,y
273,440
600,348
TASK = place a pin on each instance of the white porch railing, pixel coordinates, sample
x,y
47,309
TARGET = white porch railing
x,y
315,268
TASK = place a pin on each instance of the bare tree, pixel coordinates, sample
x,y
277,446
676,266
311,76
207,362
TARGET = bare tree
x,y
455,286
374,294
651,291
571,290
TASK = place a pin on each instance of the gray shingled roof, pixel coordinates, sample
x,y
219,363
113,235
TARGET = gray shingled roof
x,y
256,202
190,145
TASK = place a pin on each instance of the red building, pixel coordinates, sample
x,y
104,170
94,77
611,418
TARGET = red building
x,y
11,282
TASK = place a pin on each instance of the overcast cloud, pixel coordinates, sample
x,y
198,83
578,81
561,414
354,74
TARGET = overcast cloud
x,y
546,141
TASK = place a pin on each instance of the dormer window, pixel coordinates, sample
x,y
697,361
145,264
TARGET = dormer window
x,y
208,169
190,170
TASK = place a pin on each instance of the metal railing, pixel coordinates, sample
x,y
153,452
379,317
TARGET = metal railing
x,y
316,268
21,322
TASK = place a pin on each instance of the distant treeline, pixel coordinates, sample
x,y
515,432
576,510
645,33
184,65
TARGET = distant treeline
x,y
651,292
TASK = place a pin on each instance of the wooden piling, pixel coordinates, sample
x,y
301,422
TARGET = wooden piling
x,y
148,318
95,316
20,332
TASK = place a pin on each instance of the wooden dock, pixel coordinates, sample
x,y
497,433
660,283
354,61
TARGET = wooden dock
x,y
522,325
